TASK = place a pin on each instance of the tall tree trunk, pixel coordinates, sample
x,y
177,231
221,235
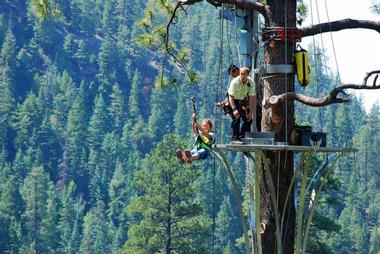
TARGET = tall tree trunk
x,y
279,119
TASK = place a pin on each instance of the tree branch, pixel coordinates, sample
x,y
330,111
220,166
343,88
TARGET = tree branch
x,y
340,25
331,98
240,4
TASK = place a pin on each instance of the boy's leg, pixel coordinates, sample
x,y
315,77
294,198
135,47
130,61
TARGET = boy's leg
x,y
180,156
188,156
202,154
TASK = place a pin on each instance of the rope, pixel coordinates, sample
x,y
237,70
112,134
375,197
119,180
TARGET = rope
x,y
324,59
217,123
333,44
336,61
315,62
237,44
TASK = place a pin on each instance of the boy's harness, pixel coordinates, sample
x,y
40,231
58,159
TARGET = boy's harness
x,y
203,142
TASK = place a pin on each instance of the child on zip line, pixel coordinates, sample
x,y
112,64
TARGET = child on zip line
x,y
204,138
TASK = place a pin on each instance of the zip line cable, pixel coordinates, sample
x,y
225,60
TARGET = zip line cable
x,y
315,62
332,42
217,122
325,63
237,30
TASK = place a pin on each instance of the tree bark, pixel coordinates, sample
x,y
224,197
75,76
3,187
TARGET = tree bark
x,y
279,119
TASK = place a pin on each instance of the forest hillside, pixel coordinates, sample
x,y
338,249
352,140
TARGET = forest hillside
x,y
88,139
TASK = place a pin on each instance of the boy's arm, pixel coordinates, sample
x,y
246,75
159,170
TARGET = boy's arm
x,y
195,125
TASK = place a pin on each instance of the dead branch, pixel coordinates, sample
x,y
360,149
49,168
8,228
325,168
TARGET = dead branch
x,y
332,97
307,31
340,25
240,4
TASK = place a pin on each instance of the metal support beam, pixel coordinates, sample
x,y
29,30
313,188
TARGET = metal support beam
x,y
255,147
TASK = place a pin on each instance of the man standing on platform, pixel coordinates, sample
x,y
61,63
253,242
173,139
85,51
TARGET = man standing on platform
x,y
241,96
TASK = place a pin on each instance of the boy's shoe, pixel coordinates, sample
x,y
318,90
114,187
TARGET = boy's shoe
x,y
188,156
180,156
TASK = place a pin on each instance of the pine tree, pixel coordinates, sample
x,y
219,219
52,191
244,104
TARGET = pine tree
x,y
96,239
7,90
107,60
75,150
163,110
11,208
167,216
35,193
375,240
107,24
98,125
225,233
7,103
27,118
107,162
119,192
70,219
117,109
182,116
8,51
134,103
63,100
49,230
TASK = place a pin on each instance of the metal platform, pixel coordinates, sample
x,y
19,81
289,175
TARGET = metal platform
x,y
281,147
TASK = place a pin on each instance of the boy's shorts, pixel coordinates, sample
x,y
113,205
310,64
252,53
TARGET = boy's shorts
x,y
201,153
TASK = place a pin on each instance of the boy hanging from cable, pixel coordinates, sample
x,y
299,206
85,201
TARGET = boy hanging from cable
x,y
204,138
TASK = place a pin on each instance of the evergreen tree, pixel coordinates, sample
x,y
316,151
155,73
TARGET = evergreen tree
x,y
107,25
7,90
98,125
182,116
117,109
90,14
119,192
96,239
96,179
35,193
375,240
11,208
107,60
7,103
225,233
167,217
63,100
27,118
50,231
107,162
134,103
70,219
74,169
8,52
163,110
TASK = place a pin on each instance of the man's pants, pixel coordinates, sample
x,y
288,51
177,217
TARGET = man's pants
x,y
238,132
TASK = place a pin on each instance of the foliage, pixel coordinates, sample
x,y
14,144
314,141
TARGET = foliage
x,y
168,218
84,110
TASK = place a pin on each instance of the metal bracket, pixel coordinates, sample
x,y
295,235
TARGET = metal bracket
x,y
275,68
